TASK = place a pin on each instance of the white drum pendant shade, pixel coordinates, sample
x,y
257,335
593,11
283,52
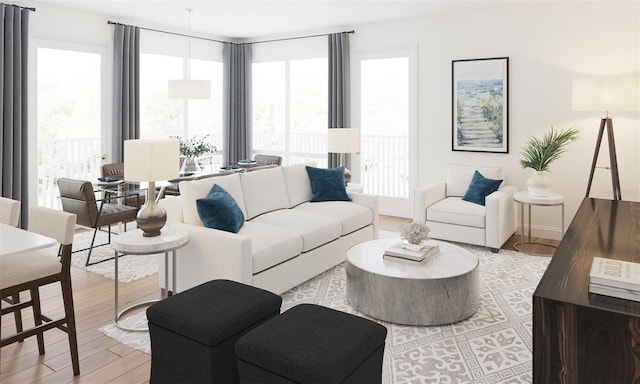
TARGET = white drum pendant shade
x,y
189,89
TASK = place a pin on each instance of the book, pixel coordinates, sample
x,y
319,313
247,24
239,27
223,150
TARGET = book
x,y
615,273
404,260
614,292
399,250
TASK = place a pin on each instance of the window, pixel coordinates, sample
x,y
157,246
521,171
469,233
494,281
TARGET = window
x,y
69,118
290,109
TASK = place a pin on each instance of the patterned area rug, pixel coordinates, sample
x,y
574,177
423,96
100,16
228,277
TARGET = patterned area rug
x,y
130,267
492,346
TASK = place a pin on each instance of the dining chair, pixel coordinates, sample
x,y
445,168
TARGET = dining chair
x,y
135,197
78,197
9,211
28,271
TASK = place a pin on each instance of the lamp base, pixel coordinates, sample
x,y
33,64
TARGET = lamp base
x,y
151,217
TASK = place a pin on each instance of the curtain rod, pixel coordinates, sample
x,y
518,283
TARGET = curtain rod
x,y
19,6
169,33
296,38
220,41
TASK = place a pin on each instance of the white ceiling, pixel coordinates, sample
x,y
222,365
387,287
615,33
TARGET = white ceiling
x,y
259,18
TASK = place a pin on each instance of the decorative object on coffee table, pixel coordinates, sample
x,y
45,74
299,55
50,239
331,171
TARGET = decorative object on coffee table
x,y
151,160
538,154
414,234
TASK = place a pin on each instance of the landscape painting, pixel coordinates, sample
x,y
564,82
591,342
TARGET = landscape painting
x,y
480,90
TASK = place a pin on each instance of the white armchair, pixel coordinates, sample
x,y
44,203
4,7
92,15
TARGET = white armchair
x,y
450,218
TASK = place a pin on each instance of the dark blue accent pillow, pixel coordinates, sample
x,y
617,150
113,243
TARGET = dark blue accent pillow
x,y
327,184
220,211
480,187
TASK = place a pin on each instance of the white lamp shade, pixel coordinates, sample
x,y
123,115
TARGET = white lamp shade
x,y
343,140
189,89
614,93
151,159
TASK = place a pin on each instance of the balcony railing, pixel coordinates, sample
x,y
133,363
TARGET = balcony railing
x,y
384,161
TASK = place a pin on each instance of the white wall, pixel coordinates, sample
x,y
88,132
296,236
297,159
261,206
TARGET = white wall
x,y
548,45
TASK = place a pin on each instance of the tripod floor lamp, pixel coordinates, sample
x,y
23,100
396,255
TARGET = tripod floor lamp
x,y
606,94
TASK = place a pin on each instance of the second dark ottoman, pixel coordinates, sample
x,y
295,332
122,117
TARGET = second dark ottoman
x,y
193,333
312,344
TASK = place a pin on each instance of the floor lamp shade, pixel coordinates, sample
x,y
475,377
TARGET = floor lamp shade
x,y
605,94
151,160
602,94
189,89
343,140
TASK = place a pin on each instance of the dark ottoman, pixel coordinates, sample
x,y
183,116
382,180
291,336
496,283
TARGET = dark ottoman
x,y
194,332
312,344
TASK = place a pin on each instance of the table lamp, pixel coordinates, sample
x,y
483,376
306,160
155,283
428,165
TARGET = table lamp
x,y
151,160
343,141
605,94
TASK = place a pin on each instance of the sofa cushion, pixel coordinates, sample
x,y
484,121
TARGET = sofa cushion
x,y
454,210
298,183
220,211
264,191
328,184
315,229
351,216
270,245
192,190
480,187
459,177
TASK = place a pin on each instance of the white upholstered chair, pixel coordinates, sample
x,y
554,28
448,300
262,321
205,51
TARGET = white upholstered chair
x,y
9,211
449,217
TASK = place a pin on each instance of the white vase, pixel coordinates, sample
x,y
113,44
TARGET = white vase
x,y
539,184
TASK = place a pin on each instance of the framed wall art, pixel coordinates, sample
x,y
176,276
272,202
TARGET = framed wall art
x,y
480,105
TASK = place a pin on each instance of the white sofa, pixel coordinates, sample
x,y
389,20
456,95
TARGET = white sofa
x,y
285,239
449,217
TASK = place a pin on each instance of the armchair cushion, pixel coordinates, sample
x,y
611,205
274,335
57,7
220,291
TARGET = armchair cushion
x,y
220,211
454,210
480,187
327,184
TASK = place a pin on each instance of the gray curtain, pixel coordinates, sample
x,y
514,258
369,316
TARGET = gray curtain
x,y
14,107
236,109
126,88
339,89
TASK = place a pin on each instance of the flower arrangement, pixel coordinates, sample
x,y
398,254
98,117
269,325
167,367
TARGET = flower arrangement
x,y
414,232
195,147
539,154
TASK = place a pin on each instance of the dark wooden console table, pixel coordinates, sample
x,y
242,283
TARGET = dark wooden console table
x,y
580,337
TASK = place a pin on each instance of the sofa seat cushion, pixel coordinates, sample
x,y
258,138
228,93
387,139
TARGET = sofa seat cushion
x,y
270,245
351,216
454,210
315,229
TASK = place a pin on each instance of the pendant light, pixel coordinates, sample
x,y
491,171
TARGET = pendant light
x,y
189,89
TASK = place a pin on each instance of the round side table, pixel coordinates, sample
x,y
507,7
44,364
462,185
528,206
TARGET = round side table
x,y
133,243
524,198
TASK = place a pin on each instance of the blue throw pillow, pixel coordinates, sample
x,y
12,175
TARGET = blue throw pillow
x,y
220,211
480,187
327,184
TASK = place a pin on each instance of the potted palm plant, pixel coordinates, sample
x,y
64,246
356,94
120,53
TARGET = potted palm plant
x,y
538,154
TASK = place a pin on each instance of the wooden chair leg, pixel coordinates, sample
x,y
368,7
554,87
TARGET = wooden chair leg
x,y
67,296
37,316
15,298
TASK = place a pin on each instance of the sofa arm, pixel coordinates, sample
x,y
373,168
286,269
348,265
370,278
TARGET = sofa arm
x,y
500,217
371,202
173,206
426,196
211,254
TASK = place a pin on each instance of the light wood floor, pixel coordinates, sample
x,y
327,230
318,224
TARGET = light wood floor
x,y
102,359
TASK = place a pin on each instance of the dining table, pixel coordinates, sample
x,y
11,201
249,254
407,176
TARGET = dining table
x,y
14,240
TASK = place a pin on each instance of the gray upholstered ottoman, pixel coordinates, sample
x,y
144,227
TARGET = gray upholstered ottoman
x,y
193,333
312,344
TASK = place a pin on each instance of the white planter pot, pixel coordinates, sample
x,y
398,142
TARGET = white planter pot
x,y
539,184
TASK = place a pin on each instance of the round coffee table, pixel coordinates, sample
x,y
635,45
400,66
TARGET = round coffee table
x,y
445,289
